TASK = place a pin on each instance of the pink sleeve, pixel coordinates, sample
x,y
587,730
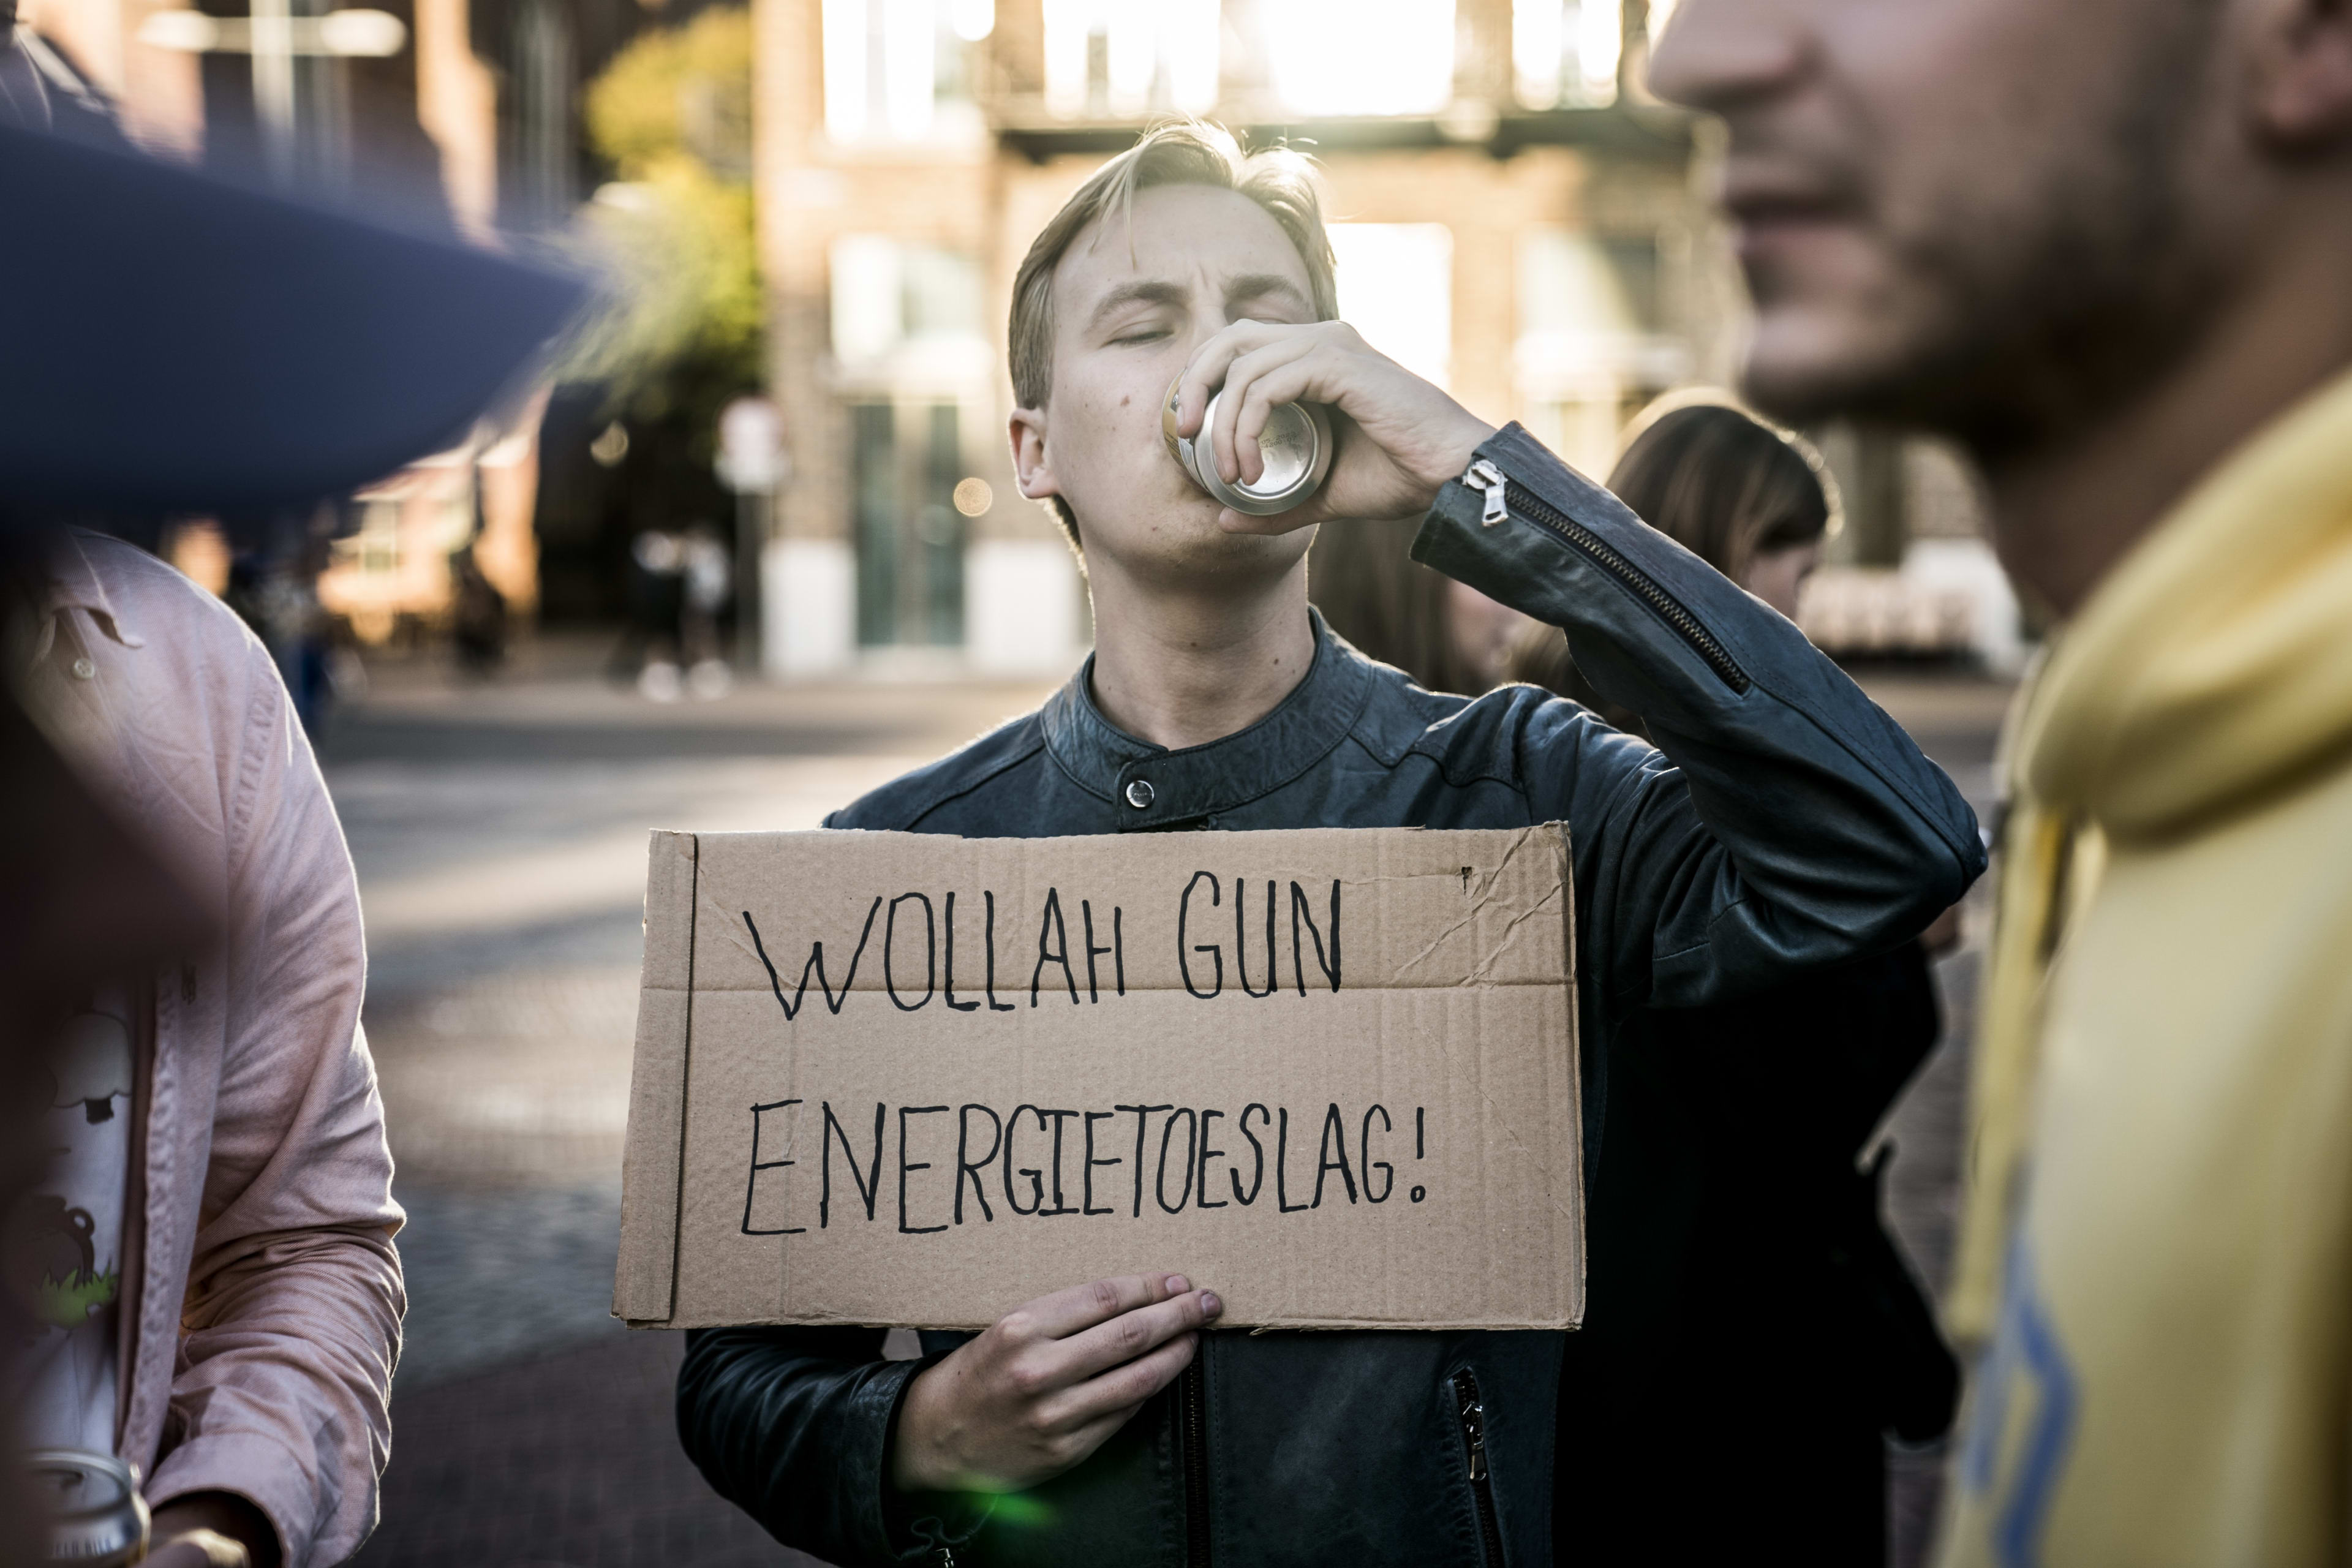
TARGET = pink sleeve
x,y
291,1322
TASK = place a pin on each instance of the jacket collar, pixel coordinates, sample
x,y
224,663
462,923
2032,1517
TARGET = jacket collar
x,y
72,583
1181,787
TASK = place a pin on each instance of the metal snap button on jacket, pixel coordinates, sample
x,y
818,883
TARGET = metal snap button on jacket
x,y
1138,793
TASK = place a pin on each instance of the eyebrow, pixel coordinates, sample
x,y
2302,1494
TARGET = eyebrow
x,y
1161,292
1261,285
1145,291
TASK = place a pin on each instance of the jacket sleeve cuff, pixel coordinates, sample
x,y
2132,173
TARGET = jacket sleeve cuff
x,y
254,1470
1674,634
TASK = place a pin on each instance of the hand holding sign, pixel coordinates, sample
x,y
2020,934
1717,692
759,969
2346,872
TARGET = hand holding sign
x,y
1048,1384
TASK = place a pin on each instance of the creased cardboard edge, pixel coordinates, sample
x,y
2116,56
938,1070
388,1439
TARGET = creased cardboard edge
x,y
645,1277
1575,1068
1487,1323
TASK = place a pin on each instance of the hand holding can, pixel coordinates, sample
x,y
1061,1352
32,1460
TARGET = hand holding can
x,y
1394,437
1293,454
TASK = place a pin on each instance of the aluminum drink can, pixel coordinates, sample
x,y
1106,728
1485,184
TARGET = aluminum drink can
x,y
96,1517
1296,445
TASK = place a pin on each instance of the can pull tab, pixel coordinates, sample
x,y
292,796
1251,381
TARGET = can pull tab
x,y
1488,481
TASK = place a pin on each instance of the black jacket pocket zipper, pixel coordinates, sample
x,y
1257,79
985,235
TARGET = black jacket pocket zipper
x,y
1472,1411
1504,496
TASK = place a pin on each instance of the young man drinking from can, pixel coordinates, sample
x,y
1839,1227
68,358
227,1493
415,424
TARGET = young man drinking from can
x,y
1782,823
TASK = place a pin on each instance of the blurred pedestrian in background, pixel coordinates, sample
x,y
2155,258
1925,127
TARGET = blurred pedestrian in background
x,y
273,587
2105,246
1447,634
681,586
649,654
477,616
1753,503
706,593
202,1278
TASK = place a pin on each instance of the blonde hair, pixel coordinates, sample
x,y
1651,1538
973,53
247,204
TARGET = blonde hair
x,y
1181,153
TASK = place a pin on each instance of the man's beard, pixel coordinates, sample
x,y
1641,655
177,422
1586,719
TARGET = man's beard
x,y
2048,313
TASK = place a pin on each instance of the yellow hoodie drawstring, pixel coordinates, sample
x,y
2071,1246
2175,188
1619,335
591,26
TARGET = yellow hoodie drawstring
x,y
2035,847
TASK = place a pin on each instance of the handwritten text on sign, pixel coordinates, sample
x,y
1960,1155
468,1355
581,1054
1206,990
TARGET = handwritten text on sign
x,y
1054,950
1332,1071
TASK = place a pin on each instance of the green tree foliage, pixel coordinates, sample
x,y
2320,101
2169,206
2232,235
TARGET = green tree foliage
x,y
673,235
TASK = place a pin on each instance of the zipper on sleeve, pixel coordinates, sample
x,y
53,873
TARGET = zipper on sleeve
x,y
1503,496
1192,1434
1472,1411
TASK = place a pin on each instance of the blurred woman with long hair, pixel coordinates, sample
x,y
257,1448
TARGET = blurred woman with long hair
x,y
1447,634
1752,501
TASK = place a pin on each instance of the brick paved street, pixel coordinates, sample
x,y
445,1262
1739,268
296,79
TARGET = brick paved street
x,y
500,834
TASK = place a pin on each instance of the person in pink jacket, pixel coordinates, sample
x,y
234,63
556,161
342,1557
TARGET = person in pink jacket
x,y
224,1173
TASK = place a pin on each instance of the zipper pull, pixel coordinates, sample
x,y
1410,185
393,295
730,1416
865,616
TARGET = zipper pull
x,y
1474,1428
1490,482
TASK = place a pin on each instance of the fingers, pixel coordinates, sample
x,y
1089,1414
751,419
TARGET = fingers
x,y
1206,371
1067,1312
1267,379
1131,1334
1120,1388
1097,1432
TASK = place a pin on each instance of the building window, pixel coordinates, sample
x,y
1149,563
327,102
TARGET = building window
x,y
1396,287
1121,60
904,313
1359,57
1565,53
1594,343
906,459
913,359
902,70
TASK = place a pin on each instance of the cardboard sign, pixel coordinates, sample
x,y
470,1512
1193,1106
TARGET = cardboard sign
x,y
908,1079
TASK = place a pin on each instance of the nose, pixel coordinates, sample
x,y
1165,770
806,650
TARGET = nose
x,y
1717,55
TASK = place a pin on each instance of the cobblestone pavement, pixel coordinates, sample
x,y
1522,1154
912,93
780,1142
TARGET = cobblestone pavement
x,y
500,834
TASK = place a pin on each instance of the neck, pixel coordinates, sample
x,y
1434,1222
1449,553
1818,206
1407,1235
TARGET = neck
x,y
2065,512
1188,668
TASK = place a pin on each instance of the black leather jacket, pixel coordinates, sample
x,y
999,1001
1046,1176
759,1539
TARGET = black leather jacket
x,y
1782,823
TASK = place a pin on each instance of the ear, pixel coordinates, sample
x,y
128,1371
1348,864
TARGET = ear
x,y
2302,72
1029,468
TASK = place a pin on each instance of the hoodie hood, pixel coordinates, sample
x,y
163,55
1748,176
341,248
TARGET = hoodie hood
x,y
2214,666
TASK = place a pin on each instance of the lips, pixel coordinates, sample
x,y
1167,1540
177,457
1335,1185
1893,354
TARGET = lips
x,y
1765,201
1769,213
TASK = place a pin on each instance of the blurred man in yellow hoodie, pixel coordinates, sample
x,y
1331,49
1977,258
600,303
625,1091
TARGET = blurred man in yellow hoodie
x,y
2108,243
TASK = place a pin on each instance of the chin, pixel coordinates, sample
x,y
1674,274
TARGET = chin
x,y
1183,548
1800,373
1808,364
